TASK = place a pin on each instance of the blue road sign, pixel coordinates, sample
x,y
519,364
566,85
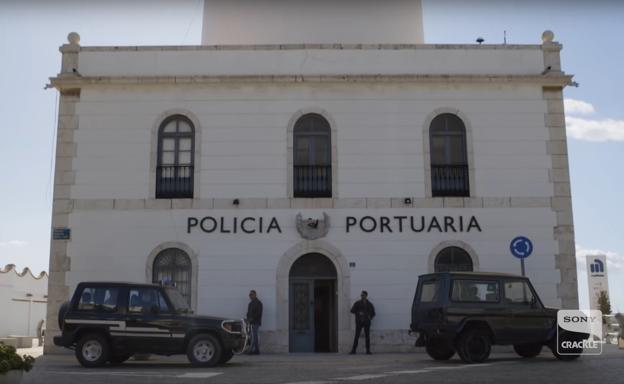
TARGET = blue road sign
x,y
521,247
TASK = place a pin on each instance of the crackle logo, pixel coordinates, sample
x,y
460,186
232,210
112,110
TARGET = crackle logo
x,y
579,332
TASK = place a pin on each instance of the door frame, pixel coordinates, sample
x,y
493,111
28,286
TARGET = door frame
x,y
344,324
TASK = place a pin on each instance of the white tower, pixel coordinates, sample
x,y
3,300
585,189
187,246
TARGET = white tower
x,y
249,22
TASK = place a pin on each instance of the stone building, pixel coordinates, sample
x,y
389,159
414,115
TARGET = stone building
x,y
309,150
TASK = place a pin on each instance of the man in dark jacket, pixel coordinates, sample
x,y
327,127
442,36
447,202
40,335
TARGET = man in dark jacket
x,y
364,313
254,317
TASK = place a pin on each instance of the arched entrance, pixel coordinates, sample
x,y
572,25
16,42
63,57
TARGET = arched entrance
x,y
313,305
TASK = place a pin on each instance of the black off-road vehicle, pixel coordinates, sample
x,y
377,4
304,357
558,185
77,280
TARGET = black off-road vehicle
x,y
110,322
467,313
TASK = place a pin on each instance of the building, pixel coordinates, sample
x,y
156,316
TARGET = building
x,y
23,299
310,165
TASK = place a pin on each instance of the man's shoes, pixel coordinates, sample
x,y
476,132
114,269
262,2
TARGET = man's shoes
x,y
369,352
352,352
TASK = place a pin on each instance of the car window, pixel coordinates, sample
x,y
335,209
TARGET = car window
x,y
429,291
146,300
98,299
518,292
475,291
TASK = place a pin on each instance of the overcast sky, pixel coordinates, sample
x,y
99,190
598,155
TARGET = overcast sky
x,y
591,32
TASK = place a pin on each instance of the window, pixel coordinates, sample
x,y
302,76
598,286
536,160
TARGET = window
x,y
429,291
173,266
518,292
146,300
449,159
98,299
312,157
453,259
475,291
176,152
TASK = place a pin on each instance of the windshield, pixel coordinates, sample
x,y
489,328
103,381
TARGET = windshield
x,y
179,302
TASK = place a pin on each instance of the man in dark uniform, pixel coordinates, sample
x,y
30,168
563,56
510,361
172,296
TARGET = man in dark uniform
x,y
254,317
364,313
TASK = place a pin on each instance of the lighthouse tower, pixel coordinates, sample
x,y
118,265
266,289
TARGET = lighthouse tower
x,y
253,22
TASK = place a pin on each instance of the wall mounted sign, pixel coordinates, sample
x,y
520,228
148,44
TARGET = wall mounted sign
x,y
61,234
316,227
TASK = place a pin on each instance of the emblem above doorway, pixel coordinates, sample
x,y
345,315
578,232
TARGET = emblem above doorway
x,y
313,228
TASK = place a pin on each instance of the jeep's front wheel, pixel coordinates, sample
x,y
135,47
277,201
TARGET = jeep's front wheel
x,y
204,350
92,350
528,350
474,346
439,348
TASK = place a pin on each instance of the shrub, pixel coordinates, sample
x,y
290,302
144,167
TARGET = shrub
x,y
10,360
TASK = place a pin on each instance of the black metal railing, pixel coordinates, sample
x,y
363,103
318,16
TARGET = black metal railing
x,y
450,181
174,182
312,181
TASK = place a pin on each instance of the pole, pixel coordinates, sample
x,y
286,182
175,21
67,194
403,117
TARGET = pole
x,y
522,266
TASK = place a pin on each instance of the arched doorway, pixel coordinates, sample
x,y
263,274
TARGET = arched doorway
x,y
453,259
313,305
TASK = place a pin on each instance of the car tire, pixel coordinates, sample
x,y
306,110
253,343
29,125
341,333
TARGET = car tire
x,y
439,348
93,350
528,350
226,356
119,359
204,350
567,357
474,346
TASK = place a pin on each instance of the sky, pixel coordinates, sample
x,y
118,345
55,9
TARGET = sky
x,y
590,31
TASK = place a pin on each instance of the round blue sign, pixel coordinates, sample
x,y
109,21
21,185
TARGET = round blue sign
x,y
521,247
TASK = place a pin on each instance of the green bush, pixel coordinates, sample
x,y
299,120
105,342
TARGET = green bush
x,y
10,360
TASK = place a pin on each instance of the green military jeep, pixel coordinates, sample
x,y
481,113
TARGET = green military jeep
x,y
468,312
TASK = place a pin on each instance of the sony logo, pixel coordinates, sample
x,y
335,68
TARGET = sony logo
x,y
579,319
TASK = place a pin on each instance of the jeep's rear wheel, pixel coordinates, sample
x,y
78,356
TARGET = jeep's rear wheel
x,y
92,350
571,353
439,348
528,350
474,346
204,350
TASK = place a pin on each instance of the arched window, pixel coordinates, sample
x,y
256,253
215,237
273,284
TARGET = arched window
x,y
174,266
453,259
176,154
312,157
449,159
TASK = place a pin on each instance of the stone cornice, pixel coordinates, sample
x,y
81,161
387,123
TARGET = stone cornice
x,y
283,47
70,81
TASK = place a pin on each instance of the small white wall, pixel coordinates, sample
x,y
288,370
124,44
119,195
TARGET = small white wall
x,y
315,22
15,304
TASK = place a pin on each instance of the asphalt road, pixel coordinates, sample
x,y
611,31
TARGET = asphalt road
x,y
503,367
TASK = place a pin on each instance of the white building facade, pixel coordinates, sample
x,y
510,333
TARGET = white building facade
x,y
310,172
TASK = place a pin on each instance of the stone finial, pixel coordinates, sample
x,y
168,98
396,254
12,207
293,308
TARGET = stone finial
x,y
548,36
73,38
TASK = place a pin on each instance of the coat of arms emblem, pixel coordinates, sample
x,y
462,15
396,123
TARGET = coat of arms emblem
x,y
312,228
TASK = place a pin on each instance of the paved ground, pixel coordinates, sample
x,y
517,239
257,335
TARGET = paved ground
x,y
503,367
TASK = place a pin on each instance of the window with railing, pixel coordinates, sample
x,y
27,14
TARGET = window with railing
x,y
176,151
312,173
449,159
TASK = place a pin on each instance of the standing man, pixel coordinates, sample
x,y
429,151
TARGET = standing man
x,y
364,313
254,317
